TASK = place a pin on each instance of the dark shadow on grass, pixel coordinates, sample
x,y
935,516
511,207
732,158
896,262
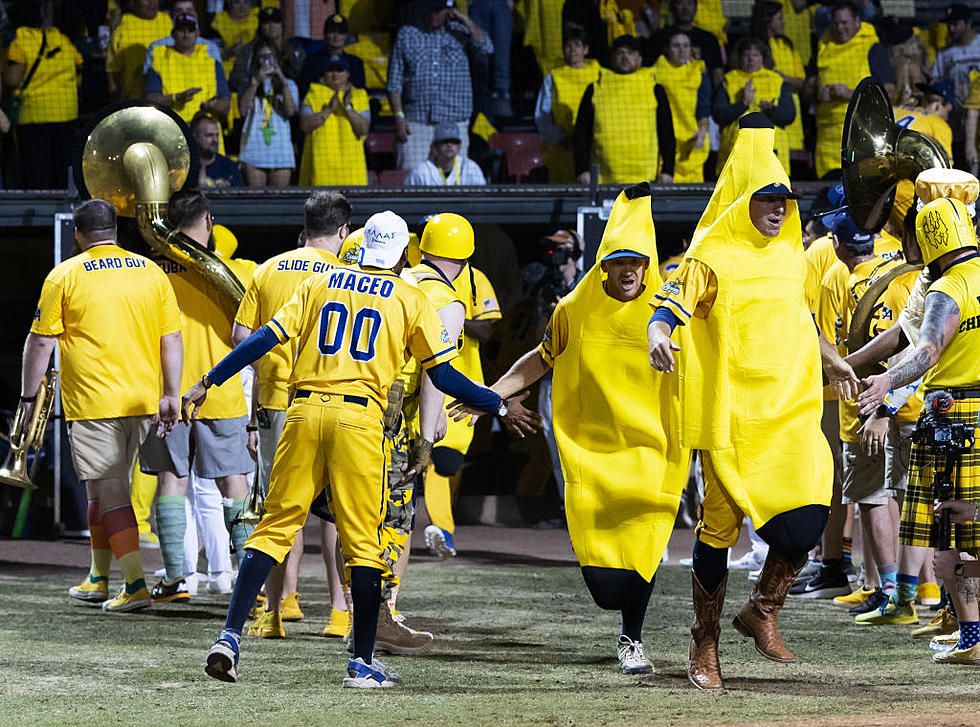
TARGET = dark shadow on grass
x,y
30,571
489,557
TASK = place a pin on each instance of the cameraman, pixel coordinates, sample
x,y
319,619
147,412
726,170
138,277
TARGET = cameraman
x,y
945,356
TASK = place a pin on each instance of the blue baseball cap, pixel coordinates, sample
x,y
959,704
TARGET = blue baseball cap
x,y
940,88
847,230
777,188
623,252
835,195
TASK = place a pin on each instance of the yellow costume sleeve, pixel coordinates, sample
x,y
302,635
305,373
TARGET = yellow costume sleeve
x,y
555,336
690,291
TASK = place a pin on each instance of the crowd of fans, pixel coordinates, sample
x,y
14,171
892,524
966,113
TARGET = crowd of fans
x,y
356,92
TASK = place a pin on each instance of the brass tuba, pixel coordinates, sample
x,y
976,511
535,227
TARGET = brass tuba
x,y
135,158
27,434
877,154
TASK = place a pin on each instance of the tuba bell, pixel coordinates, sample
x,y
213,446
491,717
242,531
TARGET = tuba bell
x,y
254,506
28,434
135,158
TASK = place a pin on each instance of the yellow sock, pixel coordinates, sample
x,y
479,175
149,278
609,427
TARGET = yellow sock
x,y
143,489
439,500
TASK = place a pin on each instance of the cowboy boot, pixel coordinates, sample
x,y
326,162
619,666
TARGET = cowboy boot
x,y
757,619
704,671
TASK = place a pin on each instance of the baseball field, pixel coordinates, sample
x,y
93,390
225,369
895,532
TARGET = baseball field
x,y
518,642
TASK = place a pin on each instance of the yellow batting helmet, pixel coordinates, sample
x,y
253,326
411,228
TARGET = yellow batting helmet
x,y
448,235
350,251
225,241
943,226
414,253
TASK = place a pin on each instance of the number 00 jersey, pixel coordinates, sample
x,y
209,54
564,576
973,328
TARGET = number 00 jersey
x,y
356,330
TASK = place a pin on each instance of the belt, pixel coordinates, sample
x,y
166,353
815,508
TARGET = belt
x,y
347,398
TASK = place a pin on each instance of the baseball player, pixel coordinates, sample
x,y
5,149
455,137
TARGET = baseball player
x,y
354,330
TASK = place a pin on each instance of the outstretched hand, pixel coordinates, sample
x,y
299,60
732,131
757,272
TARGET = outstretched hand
x,y
874,395
195,397
662,347
520,420
842,377
418,460
167,416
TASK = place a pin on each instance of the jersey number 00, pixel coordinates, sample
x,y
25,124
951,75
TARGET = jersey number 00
x,y
334,317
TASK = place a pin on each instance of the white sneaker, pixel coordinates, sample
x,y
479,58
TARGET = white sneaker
x,y
686,562
439,542
945,642
191,582
754,574
220,583
631,657
369,676
752,560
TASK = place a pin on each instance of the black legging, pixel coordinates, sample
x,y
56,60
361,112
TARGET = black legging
x,y
618,589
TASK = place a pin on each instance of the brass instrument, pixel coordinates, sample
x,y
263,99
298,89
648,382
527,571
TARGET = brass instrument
x,y
876,155
254,505
26,435
136,158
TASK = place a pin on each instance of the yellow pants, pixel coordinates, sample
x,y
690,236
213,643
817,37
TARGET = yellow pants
x,y
439,492
337,445
142,491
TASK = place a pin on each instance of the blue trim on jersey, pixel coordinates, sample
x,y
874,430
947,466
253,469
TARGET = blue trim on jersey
x,y
665,315
251,349
449,381
673,303
279,326
437,355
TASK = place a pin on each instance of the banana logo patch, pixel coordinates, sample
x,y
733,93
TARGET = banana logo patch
x,y
934,229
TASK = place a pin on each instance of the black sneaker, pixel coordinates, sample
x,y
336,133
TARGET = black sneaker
x,y
174,592
875,601
827,583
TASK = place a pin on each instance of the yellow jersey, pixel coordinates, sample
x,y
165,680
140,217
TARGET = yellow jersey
x,y
356,329
333,154
207,337
108,308
127,50
271,287
957,365
52,94
179,73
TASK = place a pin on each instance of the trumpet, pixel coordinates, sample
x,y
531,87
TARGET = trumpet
x,y
27,434
254,505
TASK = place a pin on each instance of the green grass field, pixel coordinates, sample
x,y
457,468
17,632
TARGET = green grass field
x,y
516,645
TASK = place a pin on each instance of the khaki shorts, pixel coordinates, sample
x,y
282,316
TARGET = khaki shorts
x,y
106,448
864,476
898,451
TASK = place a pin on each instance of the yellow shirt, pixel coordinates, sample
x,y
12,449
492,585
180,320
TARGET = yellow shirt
x,y
333,154
786,60
108,308
768,87
235,31
127,49
179,72
272,286
820,257
356,330
207,338
625,146
52,94
893,300
957,365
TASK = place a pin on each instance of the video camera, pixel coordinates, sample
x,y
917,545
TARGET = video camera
x,y
947,440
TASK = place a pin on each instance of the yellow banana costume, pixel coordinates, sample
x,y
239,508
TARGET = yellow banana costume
x,y
623,473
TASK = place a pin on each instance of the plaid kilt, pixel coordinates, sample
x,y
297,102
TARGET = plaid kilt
x,y
918,526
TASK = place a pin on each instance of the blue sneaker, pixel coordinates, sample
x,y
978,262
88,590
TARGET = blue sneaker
x,y
222,660
369,676
439,542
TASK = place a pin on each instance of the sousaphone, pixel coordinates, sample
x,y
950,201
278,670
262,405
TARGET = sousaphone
x,y
877,154
135,158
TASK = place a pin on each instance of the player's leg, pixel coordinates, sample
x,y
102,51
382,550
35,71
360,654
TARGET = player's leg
x,y
339,615
446,462
626,591
209,516
94,587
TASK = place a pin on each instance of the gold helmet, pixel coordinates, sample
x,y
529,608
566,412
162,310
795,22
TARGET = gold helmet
x,y
942,226
225,241
350,251
448,235
414,253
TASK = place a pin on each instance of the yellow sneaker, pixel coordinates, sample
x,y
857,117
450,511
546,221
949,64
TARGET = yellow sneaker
x,y
339,621
268,626
125,601
941,624
928,594
855,598
289,608
258,608
892,613
92,591
966,657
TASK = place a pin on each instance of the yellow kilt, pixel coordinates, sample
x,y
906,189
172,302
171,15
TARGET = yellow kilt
x,y
918,526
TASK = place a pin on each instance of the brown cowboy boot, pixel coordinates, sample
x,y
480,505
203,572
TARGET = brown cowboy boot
x,y
704,671
757,619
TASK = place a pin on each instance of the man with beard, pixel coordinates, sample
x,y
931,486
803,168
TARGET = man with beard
x,y
217,170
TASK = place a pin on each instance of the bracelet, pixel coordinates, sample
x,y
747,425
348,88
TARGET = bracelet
x,y
206,382
251,428
399,114
28,399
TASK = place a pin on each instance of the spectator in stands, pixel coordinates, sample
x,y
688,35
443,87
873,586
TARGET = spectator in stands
x,y
557,105
929,112
908,54
138,28
334,149
954,64
751,86
182,6
705,45
271,30
217,170
849,52
236,25
796,18
267,104
496,17
335,36
429,78
445,166
624,123
41,71
586,16
688,88
185,77
768,23
972,111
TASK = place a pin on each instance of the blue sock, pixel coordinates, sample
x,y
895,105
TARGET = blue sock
x,y
905,589
969,634
887,577
252,573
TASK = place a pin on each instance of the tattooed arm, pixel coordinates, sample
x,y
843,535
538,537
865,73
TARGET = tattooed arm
x,y
939,323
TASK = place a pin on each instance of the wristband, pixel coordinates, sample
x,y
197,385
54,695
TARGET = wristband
x,y
251,428
884,412
399,114
28,399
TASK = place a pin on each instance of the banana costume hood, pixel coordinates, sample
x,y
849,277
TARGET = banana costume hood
x,y
612,411
749,373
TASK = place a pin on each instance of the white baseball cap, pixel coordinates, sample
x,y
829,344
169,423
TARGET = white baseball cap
x,y
385,239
